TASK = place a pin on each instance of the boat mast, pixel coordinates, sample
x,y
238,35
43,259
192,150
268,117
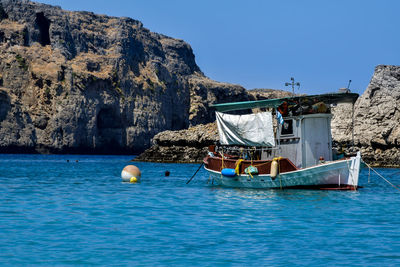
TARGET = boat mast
x,y
292,83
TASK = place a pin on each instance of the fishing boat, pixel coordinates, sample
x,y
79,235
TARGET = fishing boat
x,y
281,143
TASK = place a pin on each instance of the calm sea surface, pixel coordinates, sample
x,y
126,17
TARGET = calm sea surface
x,y
54,212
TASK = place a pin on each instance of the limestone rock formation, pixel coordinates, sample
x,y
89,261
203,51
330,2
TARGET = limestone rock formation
x,y
377,117
376,120
342,123
186,146
78,82
260,94
205,92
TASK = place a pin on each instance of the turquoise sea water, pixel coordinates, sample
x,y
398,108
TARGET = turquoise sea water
x,y
80,213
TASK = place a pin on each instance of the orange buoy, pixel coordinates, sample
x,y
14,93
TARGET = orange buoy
x,y
129,172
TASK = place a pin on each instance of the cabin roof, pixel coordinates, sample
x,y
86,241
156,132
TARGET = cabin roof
x,y
274,103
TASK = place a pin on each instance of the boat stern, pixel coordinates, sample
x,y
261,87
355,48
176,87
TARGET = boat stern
x,y
354,170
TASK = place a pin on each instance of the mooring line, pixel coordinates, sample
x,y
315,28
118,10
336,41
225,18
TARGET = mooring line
x,y
194,173
396,187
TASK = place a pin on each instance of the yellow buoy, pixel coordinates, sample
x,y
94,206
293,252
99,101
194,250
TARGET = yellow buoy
x,y
131,173
274,168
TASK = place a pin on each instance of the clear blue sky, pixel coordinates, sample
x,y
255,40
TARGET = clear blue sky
x,y
261,44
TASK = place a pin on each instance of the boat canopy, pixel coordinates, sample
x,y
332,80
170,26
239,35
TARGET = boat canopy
x,y
246,130
274,103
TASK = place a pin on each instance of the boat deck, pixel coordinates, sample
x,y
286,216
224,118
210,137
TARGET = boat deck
x,y
264,166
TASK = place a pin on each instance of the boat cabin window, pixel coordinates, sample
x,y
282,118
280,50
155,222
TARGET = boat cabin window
x,y
287,127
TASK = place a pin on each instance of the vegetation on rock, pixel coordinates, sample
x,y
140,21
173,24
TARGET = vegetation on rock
x,y
87,83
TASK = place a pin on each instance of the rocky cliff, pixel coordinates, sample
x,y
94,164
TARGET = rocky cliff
x,y
78,82
185,146
260,94
377,118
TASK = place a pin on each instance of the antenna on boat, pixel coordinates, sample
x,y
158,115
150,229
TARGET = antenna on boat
x,y
347,90
348,85
293,84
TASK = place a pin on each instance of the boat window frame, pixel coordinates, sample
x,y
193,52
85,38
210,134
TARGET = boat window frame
x,y
292,126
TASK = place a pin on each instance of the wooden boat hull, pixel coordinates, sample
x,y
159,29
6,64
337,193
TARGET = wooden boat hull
x,y
342,174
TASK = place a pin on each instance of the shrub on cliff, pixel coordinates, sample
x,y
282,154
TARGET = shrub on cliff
x,y
3,14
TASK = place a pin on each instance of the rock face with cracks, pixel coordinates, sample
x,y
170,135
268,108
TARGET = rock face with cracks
x,y
186,146
77,82
377,118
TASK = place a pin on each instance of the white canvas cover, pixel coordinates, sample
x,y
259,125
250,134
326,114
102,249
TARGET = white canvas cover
x,y
249,130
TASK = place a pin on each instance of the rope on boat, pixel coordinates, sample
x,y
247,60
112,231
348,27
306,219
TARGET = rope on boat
x,y
222,159
386,180
237,166
279,172
369,175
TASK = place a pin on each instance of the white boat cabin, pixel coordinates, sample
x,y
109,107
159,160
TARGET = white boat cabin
x,y
305,140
